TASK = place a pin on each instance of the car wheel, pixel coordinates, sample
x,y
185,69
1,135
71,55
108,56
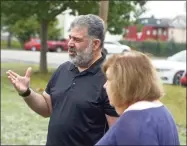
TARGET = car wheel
x,y
33,48
177,77
59,49
184,85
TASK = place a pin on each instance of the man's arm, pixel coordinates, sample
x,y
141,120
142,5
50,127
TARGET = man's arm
x,y
40,103
111,120
110,113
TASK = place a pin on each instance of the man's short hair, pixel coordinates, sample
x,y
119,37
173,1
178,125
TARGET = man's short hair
x,y
94,24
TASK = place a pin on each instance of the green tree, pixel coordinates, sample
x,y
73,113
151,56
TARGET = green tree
x,y
2,21
24,29
118,13
137,14
46,11
6,26
54,33
103,12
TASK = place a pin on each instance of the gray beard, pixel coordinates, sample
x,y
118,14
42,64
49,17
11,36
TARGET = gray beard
x,y
82,59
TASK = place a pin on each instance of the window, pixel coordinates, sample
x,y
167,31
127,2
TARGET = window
x,y
37,40
154,32
148,32
159,31
158,21
144,21
164,33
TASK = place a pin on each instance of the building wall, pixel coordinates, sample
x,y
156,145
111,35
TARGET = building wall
x,y
177,35
131,33
147,33
154,33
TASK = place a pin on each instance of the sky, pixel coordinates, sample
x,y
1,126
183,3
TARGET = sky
x,y
164,9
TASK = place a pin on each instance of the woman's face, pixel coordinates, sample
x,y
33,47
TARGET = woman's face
x,y
108,86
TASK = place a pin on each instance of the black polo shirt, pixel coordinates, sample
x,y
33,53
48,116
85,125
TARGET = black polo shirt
x,y
79,105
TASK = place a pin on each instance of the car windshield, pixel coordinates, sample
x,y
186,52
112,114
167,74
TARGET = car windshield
x,y
38,41
181,56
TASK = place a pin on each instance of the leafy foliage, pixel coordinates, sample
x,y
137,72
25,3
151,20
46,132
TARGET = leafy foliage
x,y
30,27
24,29
119,12
53,32
118,17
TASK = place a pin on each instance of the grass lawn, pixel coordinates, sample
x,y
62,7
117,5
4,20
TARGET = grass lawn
x,y
21,126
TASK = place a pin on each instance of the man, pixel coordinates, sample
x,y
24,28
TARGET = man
x,y
74,99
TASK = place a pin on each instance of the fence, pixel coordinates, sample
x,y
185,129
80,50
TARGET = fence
x,y
159,49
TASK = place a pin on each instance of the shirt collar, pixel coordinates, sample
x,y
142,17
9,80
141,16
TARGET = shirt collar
x,y
94,67
141,105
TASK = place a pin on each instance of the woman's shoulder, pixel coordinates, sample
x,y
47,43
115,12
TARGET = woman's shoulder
x,y
138,118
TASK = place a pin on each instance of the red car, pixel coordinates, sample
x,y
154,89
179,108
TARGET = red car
x,y
62,45
183,79
53,46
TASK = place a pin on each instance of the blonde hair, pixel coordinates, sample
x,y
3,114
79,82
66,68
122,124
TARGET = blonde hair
x,y
133,78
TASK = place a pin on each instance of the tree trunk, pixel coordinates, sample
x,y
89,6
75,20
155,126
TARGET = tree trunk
x,y
9,40
44,47
103,11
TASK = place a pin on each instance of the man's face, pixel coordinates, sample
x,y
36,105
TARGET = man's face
x,y
80,47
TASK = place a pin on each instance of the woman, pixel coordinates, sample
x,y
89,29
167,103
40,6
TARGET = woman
x,y
134,90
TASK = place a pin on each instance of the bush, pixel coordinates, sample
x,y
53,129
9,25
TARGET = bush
x,y
14,44
159,49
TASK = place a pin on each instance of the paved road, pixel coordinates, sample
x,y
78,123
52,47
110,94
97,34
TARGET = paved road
x,y
53,59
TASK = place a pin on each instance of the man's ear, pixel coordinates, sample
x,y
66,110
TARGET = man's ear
x,y
96,44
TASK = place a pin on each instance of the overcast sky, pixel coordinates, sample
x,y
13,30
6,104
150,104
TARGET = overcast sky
x,y
164,9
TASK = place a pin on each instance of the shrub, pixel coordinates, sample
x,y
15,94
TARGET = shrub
x,y
159,49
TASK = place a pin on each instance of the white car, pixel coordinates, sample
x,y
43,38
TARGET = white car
x,y
171,69
114,47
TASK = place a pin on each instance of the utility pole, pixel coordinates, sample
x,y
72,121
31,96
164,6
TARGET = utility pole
x,y
103,11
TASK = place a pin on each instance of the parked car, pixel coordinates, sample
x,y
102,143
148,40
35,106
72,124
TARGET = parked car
x,y
171,69
183,80
34,44
113,47
62,45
